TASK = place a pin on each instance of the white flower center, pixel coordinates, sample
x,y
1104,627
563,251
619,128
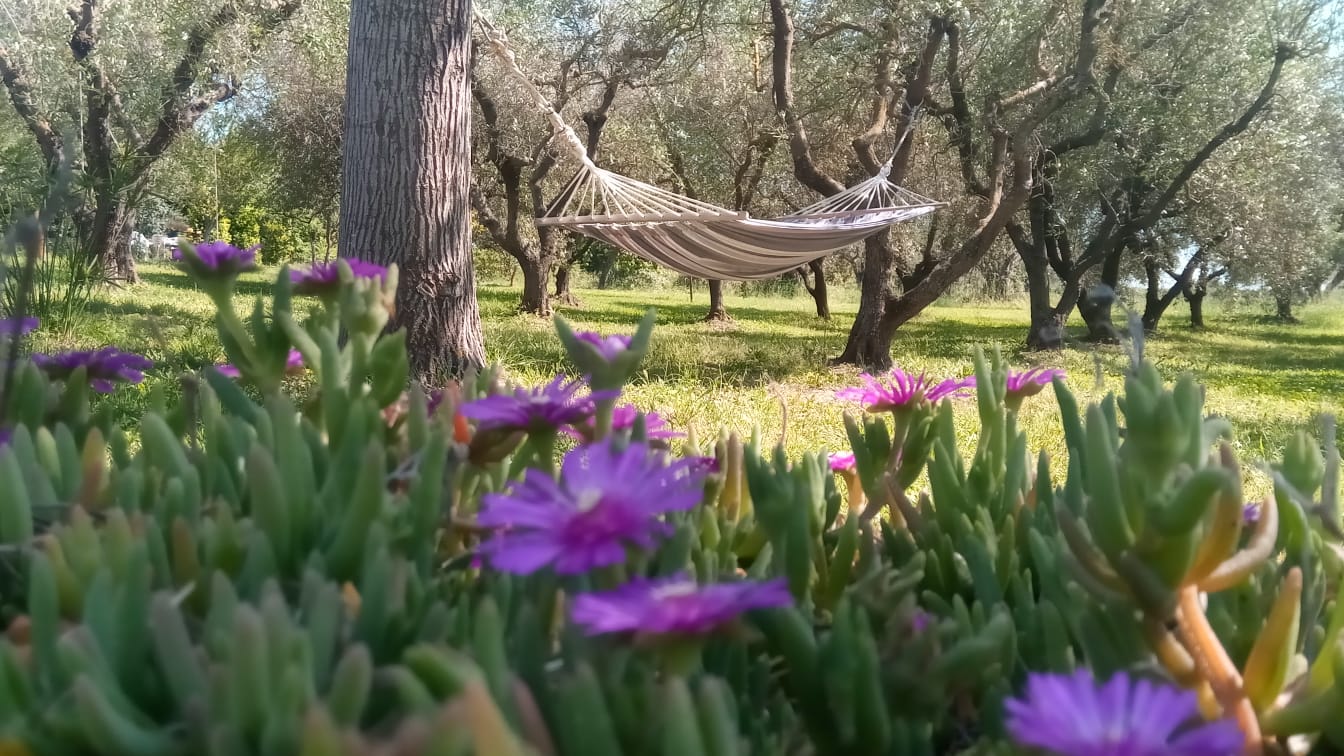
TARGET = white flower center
x,y
588,499
675,590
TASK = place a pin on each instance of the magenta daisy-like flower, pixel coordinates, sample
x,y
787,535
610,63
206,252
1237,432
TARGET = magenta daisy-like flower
x,y
553,405
606,501
293,365
674,606
901,390
841,461
1072,715
1031,382
325,278
11,327
104,367
623,418
222,257
609,347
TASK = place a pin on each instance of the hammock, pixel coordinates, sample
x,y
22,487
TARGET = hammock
x,y
698,238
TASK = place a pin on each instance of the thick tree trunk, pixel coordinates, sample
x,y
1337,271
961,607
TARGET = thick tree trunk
x,y
536,276
1096,305
1196,302
815,280
717,310
407,171
1047,327
563,294
866,345
1283,309
110,237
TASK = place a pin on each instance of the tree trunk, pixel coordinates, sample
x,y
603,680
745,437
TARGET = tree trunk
x,y
110,237
717,311
865,345
1096,304
816,286
536,275
1196,302
1283,309
1047,327
563,294
407,171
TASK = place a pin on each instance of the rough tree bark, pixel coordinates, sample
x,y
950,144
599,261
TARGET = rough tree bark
x,y
563,294
406,171
117,155
814,280
716,309
1195,298
1283,308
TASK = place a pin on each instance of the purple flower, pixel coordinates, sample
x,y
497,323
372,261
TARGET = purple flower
x,y
1072,715
1250,513
610,347
902,390
675,605
325,278
842,461
5,435
293,365
1031,382
920,621
606,500
104,366
10,327
704,465
623,418
222,257
550,406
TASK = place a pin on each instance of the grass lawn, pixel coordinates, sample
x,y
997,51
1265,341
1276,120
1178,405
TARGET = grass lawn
x,y
1269,379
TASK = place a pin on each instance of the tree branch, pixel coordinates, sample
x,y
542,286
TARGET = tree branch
x,y
21,96
805,168
181,110
104,101
1282,54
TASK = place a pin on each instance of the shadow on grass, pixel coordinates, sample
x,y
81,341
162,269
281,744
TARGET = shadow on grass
x,y
246,288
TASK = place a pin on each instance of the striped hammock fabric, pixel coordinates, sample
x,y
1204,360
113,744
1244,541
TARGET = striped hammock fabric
x,y
698,238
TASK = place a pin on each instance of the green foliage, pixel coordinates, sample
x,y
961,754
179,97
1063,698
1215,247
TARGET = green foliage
x,y
63,283
275,569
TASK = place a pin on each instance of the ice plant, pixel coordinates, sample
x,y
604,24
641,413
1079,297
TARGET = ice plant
x,y
675,605
325,278
104,367
609,347
1031,382
293,365
841,461
1072,715
217,258
548,407
623,418
11,327
900,390
606,500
